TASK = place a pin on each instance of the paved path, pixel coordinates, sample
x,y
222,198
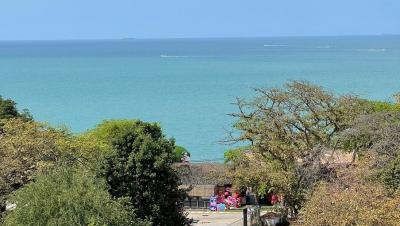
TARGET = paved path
x,y
214,218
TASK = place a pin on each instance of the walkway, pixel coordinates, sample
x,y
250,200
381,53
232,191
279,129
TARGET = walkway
x,y
214,218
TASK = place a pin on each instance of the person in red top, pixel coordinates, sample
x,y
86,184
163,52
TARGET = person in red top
x,y
221,198
274,199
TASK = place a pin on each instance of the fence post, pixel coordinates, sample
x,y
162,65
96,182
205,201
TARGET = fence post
x,y
245,217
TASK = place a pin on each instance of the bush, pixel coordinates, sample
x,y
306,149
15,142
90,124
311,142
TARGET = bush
x,y
359,204
382,106
67,196
390,175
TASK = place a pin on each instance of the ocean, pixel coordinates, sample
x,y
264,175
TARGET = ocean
x,y
187,85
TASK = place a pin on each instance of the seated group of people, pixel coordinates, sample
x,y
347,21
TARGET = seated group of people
x,y
225,200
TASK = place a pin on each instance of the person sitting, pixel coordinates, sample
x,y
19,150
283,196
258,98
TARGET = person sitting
x,y
221,198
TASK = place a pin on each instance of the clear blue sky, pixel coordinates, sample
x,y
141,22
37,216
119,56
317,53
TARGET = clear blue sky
x,y
86,19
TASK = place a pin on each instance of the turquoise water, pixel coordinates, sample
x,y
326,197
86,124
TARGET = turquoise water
x,y
185,84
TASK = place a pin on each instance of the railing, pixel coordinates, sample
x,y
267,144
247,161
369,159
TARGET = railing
x,y
251,217
196,203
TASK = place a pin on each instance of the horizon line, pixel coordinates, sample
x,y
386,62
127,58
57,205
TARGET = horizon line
x,y
215,37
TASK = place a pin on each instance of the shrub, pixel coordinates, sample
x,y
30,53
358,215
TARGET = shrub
x,y
359,204
67,196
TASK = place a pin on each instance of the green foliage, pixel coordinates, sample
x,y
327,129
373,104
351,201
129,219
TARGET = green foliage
x,y
390,175
383,106
233,156
179,152
86,150
67,196
26,147
8,109
111,130
134,157
141,169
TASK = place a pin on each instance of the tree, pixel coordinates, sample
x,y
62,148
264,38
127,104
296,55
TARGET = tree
x,y
290,129
179,153
141,169
67,196
351,202
85,150
26,147
248,169
368,192
376,139
8,109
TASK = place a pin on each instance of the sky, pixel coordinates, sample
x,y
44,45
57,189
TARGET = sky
x,y
104,19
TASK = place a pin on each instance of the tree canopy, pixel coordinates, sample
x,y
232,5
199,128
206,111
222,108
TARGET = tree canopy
x,y
179,153
68,196
290,129
293,134
8,109
26,147
133,158
141,169
106,176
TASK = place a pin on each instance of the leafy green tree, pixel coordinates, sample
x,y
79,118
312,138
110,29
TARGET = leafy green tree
x,y
85,150
250,170
29,147
141,169
179,153
67,196
8,109
26,147
235,155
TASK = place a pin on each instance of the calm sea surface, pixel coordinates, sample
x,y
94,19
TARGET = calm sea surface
x,y
185,84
